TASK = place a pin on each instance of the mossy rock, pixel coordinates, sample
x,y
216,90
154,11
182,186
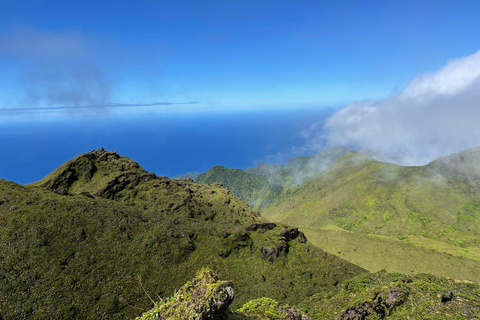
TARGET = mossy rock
x,y
203,298
269,309
206,297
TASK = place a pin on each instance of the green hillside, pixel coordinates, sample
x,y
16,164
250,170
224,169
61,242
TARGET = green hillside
x,y
430,211
366,196
412,255
262,185
85,242
256,190
99,237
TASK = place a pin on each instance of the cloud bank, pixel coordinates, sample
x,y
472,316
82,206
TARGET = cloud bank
x,y
435,115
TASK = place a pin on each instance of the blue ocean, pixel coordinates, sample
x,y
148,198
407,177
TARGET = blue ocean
x,y
167,144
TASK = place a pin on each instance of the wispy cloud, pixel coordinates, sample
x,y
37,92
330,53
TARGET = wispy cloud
x,y
94,106
55,69
436,114
65,74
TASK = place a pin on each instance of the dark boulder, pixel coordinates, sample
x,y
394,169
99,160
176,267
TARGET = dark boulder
x,y
380,307
447,296
260,226
273,253
61,190
292,234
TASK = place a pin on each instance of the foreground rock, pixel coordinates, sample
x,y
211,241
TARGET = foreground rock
x,y
206,297
203,298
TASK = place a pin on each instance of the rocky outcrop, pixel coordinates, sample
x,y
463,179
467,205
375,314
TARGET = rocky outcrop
x,y
379,307
203,298
292,234
107,168
273,253
261,227
206,297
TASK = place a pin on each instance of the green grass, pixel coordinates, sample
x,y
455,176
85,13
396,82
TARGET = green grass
x,y
84,241
378,295
433,210
412,255
367,296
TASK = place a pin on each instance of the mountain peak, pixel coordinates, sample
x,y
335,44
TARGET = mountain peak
x,y
264,169
91,172
465,163
320,161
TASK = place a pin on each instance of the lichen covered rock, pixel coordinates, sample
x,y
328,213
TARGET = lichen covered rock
x,y
203,298
208,298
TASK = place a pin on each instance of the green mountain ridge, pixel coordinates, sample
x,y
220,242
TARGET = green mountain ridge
x,y
100,236
375,197
84,241
188,175
432,209
262,185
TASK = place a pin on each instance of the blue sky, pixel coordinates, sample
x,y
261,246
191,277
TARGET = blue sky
x,y
229,56
240,53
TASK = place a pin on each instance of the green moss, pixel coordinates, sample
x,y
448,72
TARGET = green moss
x,y
262,308
368,296
202,297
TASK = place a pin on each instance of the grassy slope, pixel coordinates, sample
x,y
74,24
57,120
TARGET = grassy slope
x,y
434,207
255,189
385,199
81,255
262,185
409,256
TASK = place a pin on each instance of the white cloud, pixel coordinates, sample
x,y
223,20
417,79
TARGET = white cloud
x,y
435,115
454,78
